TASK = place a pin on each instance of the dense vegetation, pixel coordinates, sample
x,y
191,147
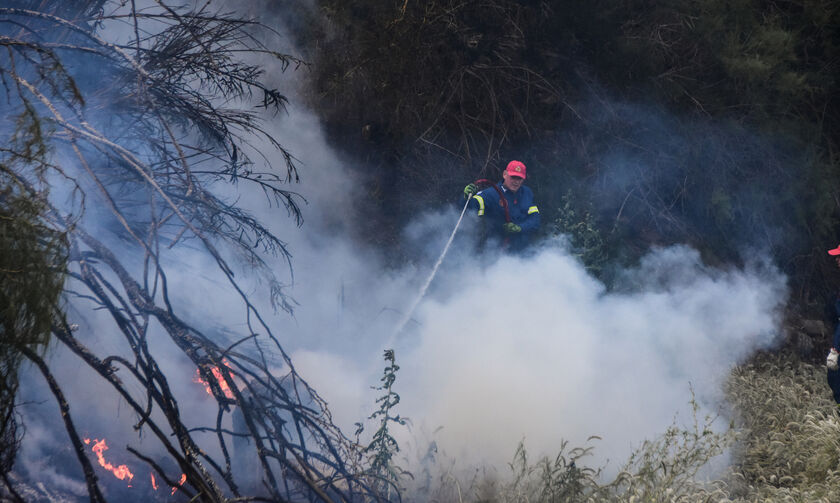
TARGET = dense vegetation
x,y
709,123
32,260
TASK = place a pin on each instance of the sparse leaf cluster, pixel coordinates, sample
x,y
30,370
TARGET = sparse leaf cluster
x,y
586,241
383,446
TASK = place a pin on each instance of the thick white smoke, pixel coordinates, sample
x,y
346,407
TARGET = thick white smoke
x,y
535,349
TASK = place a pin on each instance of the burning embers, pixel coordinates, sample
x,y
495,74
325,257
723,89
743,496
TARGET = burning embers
x,y
218,376
180,483
123,472
99,447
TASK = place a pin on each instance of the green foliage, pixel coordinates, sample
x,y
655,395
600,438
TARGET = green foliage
x,y
587,243
32,261
767,59
32,257
383,446
721,206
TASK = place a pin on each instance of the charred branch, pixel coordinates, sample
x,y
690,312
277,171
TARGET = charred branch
x,y
90,477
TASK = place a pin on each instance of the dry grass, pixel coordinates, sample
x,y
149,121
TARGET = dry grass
x,y
790,444
784,445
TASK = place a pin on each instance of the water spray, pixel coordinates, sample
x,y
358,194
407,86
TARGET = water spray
x,y
428,282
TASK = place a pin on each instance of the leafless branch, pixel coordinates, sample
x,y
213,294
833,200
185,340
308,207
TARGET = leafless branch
x,y
143,129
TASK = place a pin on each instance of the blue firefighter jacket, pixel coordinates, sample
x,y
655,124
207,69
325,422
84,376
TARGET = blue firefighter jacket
x,y
523,212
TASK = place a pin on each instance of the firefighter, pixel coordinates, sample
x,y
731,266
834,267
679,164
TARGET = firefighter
x,y
831,361
507,208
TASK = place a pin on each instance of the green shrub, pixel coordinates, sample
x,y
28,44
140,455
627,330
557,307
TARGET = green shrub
x,y
586,241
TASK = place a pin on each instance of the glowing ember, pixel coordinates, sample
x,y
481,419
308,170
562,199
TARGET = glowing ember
x,y
154,482
180,483
99,447
217,374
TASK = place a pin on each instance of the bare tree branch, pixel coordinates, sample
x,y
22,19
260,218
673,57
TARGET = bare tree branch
x,y
143,128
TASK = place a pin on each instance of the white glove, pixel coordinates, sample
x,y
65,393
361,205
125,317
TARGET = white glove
x,y
831,360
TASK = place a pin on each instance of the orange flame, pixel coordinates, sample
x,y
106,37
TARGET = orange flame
x,y
99,447
180,483
217,374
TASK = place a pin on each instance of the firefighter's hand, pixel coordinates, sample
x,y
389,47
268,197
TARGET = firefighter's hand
x,y
831,360
512,228
470,190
